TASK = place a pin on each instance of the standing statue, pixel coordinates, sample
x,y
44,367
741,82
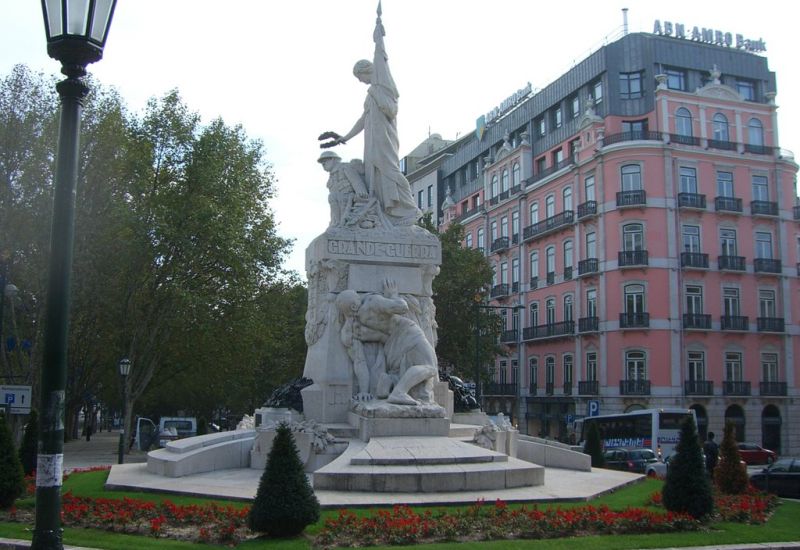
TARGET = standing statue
x,y
344,184
379,123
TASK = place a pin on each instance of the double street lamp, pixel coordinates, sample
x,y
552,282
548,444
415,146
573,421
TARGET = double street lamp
x,y
76,35
124,371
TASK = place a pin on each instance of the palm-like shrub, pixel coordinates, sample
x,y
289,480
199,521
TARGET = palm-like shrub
x,y
730,475
687,488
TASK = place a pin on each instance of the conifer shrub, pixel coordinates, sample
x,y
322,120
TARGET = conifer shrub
x,y
593,446
730,475
12,481
285,502
30,442
687,488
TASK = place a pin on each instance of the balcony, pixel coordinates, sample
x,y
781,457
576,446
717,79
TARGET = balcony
x,y
635,135
549,388
588,266
694,259
567,388
494,388
684,140
503,196
533,389
692,200
631,198
763,208
721,144
772,388
698,387
586,209
731,263
514,287
469,213
499,244
737,387
697,321
494,200
589,324
634,387
534,283
634,320
727,204
734,322
509,336
549,171
553,223
795,212
568,273
500,290
551,330
632,258
516,189
588,387
551,278
758,149
767,265
770,324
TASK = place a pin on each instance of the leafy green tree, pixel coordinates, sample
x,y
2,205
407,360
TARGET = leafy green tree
x,y
730,475
30,443
462,284
12,482
687,488
285,503
594,446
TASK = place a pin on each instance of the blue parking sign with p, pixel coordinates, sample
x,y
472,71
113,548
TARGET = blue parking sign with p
x,y
9,398
593,408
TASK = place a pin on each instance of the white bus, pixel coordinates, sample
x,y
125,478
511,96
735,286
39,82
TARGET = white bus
x,y
656,429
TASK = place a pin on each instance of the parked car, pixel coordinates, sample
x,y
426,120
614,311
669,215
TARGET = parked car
x,y
660,468
630,460
782,477
755,454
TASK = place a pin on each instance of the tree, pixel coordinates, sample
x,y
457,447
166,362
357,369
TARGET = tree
x,y
730,475
30,442
285,503
12,481
687,488
462,284
594,446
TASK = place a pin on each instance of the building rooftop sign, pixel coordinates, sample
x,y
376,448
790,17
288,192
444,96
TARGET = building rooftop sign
x,y
505,106
708,36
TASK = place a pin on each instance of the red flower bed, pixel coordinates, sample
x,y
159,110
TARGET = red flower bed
x,y
751,506
402,525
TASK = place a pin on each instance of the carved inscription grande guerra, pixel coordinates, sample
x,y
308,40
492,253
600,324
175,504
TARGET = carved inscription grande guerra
x,y
341,247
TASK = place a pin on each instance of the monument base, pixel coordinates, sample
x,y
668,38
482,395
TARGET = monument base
x,y
381,419
327,403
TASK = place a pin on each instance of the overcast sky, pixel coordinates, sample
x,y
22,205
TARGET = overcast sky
x,y
283,69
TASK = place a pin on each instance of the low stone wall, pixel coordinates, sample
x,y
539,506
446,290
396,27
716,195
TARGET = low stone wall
x,y
205,453
552,454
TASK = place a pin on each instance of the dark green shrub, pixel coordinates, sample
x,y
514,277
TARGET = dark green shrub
x,y
285,502
730,475
12,481
202,426
30,442
593,446
687,488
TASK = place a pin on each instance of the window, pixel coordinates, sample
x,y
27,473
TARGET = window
x,y
635,365
588,187
763,245
514,362
725,184
469,240
632,237
493,190
550,310
557,117
515,271
550,254
597,92
591,302
515,222
550,206
766,303
515,175
591,245
504,226
501,373
694,300
430,196
733,366
727,241
634,127
541,165
558,157
755,132
730,301
550,370
568,255
504,275
634,299
760,188
534,308
568,368
688,180
769,367
533,367
676,79
720,126
535,263
493,229
504,181
631,177
746,89
568,307
683,122
566,195
697,366
540,126
630,85
591,366
576,106
534,213
481,241
691,238
420,195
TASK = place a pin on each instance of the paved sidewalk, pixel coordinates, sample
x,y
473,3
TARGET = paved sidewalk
x,y
102,450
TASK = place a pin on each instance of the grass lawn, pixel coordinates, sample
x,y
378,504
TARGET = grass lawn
x,y
783,525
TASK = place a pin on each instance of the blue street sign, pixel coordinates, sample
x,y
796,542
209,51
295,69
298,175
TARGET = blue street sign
x,y
593,409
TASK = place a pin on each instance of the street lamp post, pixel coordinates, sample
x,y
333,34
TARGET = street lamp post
x,y
124,371
76,34
478,307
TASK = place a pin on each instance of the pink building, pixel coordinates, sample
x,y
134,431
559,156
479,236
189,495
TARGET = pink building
x,y
642,213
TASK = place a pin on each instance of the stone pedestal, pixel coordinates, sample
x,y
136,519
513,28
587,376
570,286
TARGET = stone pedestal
x,y
381,419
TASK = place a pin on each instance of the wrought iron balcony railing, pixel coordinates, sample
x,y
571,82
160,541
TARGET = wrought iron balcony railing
x,y
500,290
509,336
634,320
635,135
568,273
722,144
631,198
697,321
731,263
692,200
735,387
758,149
550,170
767,265
549,388
727,204
533,389
586,209
567,388
764,208
496,388
698,387
634,387
588,324
588,266
697,260
534,283
632,258
734,322
553,223
772,388
552,330
551,277
770,324
684,140
588,387
499,244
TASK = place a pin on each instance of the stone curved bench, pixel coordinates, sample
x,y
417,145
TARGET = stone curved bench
x,y
203,453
